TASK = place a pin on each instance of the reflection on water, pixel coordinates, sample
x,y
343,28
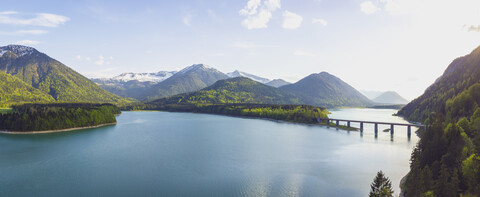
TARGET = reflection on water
x,y
182,154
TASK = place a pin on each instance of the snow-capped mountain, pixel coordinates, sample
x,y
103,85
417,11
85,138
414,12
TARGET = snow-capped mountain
x,y
19,50
189,79
198,67
144,77
237,73
140,77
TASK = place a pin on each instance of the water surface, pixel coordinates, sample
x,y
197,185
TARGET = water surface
x,y
183,154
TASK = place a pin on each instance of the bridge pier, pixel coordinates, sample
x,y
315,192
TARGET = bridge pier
x,y
392,125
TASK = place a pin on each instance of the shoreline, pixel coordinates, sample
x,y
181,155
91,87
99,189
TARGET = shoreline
x,y
56,130
253,117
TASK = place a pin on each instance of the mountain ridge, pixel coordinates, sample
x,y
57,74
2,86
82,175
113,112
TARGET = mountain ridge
x,y
233,90
52,77
390,97
324,89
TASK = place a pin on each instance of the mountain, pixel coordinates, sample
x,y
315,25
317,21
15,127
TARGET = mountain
x,y
131,89
446,160
277,83
234,90
371,94
237,73
52,77
13,90
462,73
140,77
390,97
132,85
189,79
324,89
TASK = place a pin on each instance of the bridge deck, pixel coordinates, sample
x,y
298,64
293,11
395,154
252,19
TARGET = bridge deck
x,y
373,122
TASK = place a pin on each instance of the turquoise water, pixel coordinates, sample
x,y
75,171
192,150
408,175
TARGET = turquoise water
x,y
183,154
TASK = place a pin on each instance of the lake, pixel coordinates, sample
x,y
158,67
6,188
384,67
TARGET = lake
x,y
184,154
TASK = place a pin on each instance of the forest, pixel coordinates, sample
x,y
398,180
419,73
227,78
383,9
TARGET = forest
x,y
446,161
289,113
42,117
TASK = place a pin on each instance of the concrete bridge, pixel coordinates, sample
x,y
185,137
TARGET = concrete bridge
x,y
337,122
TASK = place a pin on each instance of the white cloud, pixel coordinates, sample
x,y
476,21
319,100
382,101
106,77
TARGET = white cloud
x,y
27,42
31,32
438,14
474,28
320,21
8,12
291,20
303,53
368,7
24,32
273,4
104,73
258,14
101,60
243,45
39,19
187,20
250,8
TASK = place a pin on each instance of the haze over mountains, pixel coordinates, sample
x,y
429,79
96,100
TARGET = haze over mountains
x,y
390,97
150,86
317,89
47,79
460,75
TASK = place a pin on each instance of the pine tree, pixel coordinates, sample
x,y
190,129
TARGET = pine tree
x,y
381,186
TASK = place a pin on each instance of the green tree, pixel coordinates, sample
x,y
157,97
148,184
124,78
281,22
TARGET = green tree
x,y
381,186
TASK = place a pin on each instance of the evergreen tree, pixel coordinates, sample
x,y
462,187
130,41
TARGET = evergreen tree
x,y
381,186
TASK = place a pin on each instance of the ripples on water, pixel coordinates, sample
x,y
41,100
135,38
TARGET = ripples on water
x,y
182,154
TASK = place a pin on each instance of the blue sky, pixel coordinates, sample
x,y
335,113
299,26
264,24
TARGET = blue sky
x,y
401,45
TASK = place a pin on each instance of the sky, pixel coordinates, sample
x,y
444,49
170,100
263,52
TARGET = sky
x,y
381,45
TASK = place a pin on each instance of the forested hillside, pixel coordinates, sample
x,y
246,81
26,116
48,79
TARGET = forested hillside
x,y
233,90
14,90
52,77
462,73
324,89
190,79
446,161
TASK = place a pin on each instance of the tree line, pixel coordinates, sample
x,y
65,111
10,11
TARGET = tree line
x,y
41,117
446,161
